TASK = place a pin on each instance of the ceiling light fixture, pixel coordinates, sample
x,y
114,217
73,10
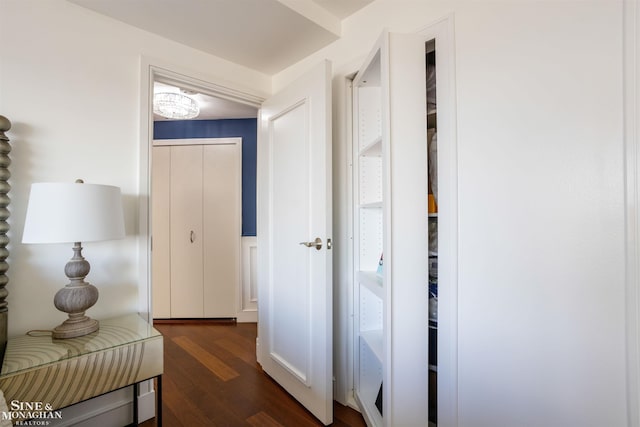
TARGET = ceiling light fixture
x,y
173,105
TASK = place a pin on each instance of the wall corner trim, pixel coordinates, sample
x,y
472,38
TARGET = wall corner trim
x,y
631,97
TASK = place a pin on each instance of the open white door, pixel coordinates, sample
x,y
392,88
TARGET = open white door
x,y
294,205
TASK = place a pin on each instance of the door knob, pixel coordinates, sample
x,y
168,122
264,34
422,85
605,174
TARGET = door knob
x,y
315,244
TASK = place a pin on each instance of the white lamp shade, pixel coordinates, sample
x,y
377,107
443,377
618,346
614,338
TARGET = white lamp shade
x,y
73,212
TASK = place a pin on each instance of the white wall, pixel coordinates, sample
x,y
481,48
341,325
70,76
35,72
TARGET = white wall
x,y
541,215
69,82
541,286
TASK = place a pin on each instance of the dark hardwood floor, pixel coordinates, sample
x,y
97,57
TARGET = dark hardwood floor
x,y
211,378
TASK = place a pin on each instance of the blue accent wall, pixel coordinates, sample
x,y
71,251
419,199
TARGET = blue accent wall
x,y
228,128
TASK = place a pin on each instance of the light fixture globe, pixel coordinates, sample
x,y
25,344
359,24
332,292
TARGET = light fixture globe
x,y
172,105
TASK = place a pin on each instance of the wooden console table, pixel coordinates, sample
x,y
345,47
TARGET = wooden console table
x,y
124,351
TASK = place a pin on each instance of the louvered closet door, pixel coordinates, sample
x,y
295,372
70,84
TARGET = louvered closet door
x,y
222,228
186,232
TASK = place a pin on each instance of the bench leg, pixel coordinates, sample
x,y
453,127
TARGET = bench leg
x,y
136,391
159,401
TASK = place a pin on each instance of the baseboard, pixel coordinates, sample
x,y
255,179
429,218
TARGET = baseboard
x,y
352,403
247,316
110,410
196,321
147,406
258,352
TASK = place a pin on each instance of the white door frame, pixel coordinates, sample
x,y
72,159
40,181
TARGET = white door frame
x,y
631,110
443,31
152,70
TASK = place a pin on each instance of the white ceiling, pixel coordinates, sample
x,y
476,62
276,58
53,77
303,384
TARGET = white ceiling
x,y
265,35
342,8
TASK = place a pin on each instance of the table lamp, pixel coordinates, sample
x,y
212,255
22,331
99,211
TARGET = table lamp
x,y
74,213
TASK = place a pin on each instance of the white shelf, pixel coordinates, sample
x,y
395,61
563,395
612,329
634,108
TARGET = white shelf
x,y
372,281
373,148
371,205
373,339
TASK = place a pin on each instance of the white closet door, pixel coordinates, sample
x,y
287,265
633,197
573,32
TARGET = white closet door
x,y
160,223
222,229
186,232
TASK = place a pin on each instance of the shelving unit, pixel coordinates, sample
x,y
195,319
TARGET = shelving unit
x,y
369,245
390,227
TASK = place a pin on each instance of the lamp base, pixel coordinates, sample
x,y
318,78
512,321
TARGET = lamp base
x,y
72,328
75,298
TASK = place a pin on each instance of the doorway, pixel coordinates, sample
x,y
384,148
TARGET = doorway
x,y
223,112
285,115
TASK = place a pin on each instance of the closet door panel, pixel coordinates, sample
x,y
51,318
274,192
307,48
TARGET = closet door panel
x,y
408,297
160,225
222,229
186,232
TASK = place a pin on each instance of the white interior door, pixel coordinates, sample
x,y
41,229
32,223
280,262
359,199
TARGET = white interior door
x,y
294,206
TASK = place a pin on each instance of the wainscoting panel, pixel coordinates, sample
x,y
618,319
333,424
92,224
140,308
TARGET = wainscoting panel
x,y
248,292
